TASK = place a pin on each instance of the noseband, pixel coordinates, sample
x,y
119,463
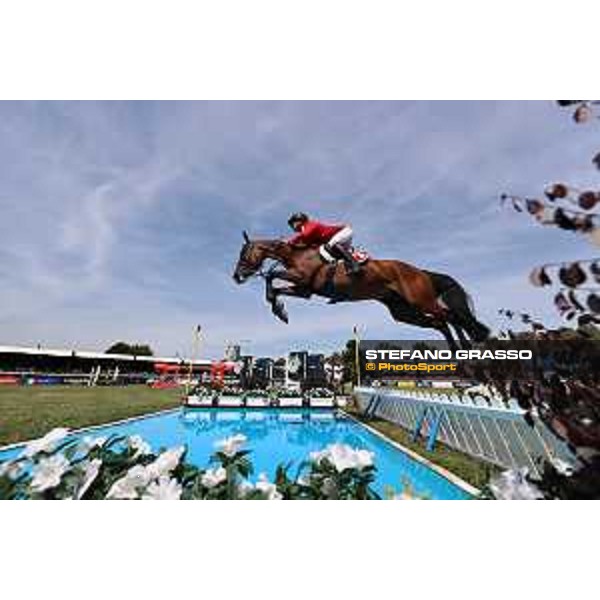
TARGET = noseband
x,y
260,272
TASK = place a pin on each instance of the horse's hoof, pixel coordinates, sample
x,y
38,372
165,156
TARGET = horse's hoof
x,y
280,312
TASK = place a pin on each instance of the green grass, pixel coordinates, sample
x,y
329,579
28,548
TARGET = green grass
x,y
426,390
29,412
471,470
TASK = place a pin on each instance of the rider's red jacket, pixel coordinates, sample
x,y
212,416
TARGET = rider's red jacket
x,y
314,233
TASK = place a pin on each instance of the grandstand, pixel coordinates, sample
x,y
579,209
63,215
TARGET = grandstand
x,y
37,365
20,365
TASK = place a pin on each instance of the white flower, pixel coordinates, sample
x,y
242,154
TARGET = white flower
x,y
136,442
166,462
343,457
266,487
562,466
163,489
89,443
213,477
231,445
123,489
318,455
245,488
513,485
139,477
46,443
92,469
48,472
303,480
364,458
126,488
11,469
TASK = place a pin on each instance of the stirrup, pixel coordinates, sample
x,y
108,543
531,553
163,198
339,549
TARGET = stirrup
x,y
351,265
353,268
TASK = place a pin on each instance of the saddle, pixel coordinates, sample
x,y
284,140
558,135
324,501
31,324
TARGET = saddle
x,y
329,289
360,255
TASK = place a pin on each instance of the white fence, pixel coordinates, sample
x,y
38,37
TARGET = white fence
x,y
488,429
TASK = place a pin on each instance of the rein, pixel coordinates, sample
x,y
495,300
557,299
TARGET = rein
x,y
266,272
263,271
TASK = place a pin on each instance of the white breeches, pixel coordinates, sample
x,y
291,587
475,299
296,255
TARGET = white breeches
x,y
343,237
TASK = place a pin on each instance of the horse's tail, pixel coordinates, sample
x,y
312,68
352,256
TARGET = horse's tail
x,y
470,303
442,284
460,305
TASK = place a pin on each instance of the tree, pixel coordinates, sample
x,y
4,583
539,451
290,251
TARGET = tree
x,y
566,401
132,349
349,360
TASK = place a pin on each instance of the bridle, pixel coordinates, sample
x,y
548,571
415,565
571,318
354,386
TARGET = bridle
x,y
262,271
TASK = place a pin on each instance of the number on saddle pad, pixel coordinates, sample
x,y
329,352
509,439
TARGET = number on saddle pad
x,y
360,256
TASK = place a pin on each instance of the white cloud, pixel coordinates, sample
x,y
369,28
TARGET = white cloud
x,y
122,220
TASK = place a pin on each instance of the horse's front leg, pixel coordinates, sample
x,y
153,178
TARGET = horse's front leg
x,y
273,293
293,291
270,294
270,289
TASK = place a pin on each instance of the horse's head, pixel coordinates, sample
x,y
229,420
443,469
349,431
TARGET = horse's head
x,y
252,256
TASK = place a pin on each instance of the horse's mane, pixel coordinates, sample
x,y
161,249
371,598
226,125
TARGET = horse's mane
x,y
280,251
281,243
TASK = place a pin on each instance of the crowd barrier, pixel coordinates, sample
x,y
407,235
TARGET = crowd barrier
x,y
485,428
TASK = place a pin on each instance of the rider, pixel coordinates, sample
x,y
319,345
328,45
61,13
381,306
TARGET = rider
x,y
334,241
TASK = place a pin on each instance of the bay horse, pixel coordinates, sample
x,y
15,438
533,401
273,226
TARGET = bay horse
x,y
412,295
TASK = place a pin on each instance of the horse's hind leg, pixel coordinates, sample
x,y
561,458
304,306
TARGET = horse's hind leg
x,y
419,292
444,329
460,313
402,312
269,290
461,316
465,344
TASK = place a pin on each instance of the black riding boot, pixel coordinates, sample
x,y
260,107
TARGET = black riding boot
x,y
352,266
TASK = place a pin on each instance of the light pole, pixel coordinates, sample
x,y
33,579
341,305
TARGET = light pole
x,y
356,354
195,348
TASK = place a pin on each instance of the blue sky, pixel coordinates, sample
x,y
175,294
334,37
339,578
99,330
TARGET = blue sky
x,y
123,220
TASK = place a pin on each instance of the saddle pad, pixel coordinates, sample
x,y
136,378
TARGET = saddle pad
x,y
360,256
